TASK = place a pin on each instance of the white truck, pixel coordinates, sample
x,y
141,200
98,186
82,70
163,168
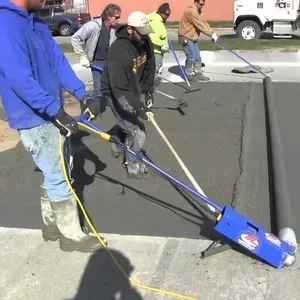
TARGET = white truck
x,y
253,17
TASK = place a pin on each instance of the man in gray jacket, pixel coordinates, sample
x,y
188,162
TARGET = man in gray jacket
x,y
92,40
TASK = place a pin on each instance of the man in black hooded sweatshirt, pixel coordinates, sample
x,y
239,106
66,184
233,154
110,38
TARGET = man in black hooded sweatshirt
x,y
128,76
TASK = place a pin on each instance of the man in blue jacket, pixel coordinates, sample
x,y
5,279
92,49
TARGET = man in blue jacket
x,y
33,74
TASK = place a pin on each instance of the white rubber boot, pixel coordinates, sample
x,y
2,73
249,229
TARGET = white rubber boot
x,y
72,237
50,231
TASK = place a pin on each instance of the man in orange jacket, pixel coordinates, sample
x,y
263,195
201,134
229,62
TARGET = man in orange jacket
x,y
190,27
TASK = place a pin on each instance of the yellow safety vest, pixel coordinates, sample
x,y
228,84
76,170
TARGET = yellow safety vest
x,y
159,37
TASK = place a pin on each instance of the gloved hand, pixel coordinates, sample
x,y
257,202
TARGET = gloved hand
x,y
89,108
67,125
114,139
149,99
165,48
214,37
84,62
145,113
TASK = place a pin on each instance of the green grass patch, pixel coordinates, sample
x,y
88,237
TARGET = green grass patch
x,y
213,24
233,43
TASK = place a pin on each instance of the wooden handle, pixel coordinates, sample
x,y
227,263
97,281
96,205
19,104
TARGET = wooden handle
x,y
185,169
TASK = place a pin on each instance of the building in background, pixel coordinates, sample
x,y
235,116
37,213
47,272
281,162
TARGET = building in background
x,y
215,10
77,6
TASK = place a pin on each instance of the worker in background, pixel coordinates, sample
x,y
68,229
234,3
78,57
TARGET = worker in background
x,y
159,37
33,74
92,40
190,27
128,81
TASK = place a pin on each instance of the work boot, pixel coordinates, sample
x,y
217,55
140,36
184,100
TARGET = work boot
x,y
72,237
50,231
191,78
143,168
189,72
136,171
197,68
201,77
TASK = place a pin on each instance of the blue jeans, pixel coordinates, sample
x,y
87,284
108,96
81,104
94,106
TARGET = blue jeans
x,y
43,144
97,94
192,53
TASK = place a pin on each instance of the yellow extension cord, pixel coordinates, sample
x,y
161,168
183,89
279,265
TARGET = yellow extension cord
x,y
104,244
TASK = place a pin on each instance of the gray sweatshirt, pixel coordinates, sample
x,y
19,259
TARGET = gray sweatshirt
x,y
84,41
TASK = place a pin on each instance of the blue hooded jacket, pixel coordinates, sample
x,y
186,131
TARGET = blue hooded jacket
x,y
33,69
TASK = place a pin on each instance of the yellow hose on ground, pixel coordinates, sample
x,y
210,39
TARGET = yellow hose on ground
x,y
102,242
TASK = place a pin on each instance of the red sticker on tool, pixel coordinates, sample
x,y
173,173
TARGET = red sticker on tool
x,y
273,239
249,241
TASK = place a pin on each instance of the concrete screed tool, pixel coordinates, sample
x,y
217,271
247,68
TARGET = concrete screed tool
x,y
229,222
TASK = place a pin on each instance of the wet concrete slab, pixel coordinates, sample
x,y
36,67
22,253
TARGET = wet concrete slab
x,y
208,139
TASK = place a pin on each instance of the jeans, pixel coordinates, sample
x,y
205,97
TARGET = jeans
x,y
43,144
97,94
192,53
135,135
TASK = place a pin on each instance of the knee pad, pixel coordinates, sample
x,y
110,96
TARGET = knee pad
x,y
136,139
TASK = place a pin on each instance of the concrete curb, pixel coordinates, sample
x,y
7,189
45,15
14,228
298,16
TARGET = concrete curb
x,y
279,191
213,28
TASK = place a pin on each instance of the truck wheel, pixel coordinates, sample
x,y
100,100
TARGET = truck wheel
x,y
65,30
249,30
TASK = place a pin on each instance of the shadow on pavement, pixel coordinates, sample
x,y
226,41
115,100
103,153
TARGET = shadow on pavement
x,y
102,278
205,224
176,71
81,178
82,153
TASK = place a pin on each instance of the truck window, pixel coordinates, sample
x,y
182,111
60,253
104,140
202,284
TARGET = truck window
x,y
45,12
58,10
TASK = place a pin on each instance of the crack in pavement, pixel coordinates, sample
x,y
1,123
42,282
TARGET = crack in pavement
x,y
243,120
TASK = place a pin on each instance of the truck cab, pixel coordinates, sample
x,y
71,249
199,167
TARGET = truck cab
x,y
60,21
252,18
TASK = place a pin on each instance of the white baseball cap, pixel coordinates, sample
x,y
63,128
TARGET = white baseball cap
x,y
140,22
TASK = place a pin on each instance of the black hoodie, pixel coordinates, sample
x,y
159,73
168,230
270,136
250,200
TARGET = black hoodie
x,y
128,72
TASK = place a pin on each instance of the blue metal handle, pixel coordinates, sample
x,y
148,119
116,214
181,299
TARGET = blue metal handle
x,y
177,60
240,57
171,178
97,68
